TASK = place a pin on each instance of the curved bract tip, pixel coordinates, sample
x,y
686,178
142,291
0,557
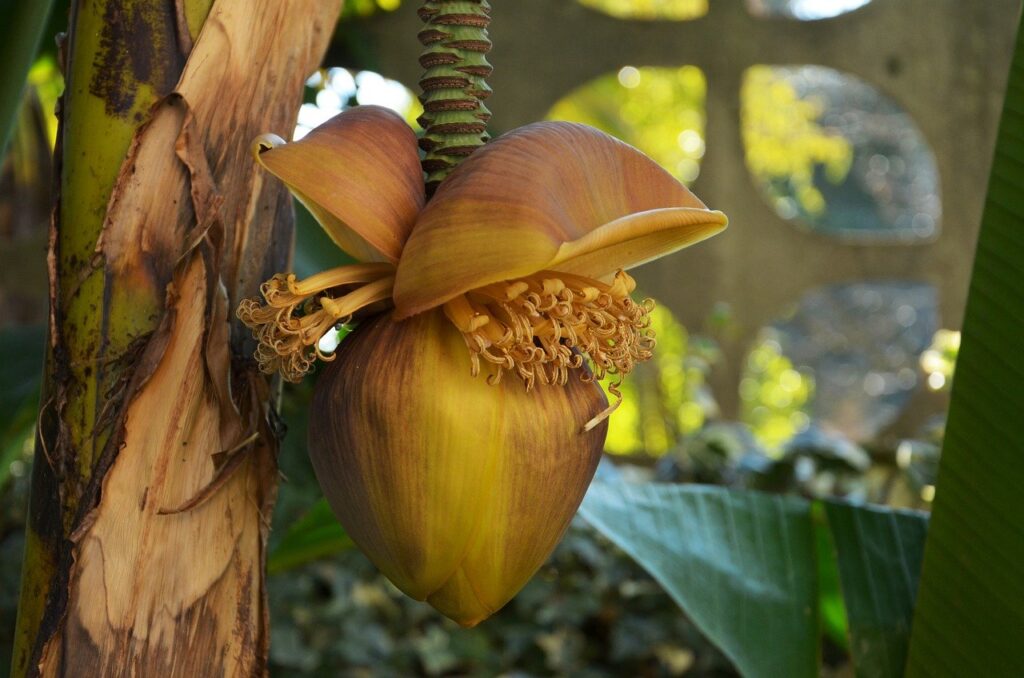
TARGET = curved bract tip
x,y
265,142
548,196
637,239
359,174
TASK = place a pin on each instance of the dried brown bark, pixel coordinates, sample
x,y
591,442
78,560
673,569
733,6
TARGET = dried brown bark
x,y
155,470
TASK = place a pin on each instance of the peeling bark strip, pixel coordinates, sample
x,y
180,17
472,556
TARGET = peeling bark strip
x,y
151,400
183,593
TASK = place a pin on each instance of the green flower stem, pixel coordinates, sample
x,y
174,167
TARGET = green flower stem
x,y
454,118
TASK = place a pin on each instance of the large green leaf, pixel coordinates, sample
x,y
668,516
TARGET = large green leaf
x,y
22,23
879,556
753,570
830,591
970,614
741,564
316,535
20,374
21,370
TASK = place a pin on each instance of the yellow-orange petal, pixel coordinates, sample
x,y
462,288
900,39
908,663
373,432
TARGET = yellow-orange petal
x,y
510,208
636,239
359,174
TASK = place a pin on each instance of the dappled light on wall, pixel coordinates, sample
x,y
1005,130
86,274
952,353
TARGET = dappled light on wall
x,y
833,154
658,110
862,343
671,10
775,395
804,10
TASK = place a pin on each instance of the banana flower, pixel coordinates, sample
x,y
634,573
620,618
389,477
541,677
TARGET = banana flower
x,y
457,428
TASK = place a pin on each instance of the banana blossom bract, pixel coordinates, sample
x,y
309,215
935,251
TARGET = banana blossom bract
x,y
458,427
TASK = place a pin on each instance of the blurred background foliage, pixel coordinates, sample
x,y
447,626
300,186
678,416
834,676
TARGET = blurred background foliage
x,y
665,399
784,142
592,611
354,8
632,106
671,10
775,395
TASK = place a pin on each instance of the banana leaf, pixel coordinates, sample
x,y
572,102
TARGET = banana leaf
x,y
22,24
970,614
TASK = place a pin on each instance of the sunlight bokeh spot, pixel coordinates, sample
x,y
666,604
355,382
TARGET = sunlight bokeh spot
x,y
671,10
629,77
367,7
658,110
939,361
833,154
333,90
804,10
47,82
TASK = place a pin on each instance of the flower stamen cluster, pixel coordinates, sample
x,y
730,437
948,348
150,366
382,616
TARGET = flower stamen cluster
x,y
542,326
297,314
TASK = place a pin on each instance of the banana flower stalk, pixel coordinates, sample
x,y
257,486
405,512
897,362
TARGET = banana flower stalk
x,y
457,428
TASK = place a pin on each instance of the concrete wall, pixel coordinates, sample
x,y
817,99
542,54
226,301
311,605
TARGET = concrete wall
x,y
944,61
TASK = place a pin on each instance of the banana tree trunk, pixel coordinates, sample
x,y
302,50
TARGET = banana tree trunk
x,y
155,469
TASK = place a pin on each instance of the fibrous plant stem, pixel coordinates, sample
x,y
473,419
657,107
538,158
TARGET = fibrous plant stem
x,y
155,463
453,85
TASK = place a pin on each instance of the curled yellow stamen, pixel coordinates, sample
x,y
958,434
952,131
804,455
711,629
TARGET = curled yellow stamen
x,y
540,327
298,313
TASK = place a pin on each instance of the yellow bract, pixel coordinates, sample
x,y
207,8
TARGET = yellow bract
x,y
455,489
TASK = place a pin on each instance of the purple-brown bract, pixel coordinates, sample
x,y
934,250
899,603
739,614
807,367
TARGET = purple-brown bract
x,y
460,424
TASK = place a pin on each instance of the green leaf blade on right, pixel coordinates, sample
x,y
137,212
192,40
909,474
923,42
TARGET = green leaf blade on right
x,y
970,614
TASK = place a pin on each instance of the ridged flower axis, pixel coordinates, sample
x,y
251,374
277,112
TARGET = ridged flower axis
x,y
454,116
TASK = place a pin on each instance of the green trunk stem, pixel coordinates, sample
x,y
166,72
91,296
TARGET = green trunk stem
x,y
454,115
95,324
